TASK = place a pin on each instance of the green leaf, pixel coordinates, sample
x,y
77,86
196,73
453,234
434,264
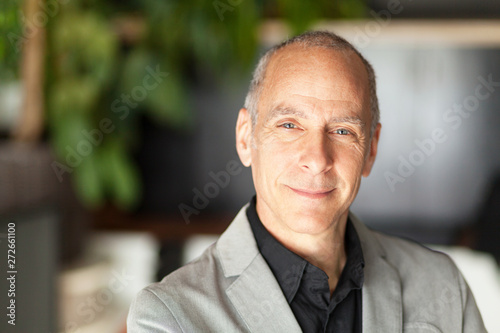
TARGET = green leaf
x,y
122,178
352,8
168,103
300,14
87,182
73,95
67,132
85,44
134,69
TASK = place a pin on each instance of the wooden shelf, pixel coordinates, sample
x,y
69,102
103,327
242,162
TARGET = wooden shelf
x,y
402,32
165,228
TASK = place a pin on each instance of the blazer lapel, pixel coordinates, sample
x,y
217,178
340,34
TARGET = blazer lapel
x,y
382,303
255,293
259,300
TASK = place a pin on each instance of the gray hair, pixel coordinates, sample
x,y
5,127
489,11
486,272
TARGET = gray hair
x,y
323,39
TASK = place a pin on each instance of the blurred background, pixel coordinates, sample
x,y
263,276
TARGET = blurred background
x,y
117,158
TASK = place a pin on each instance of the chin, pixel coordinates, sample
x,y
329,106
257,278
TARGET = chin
x,y
315,220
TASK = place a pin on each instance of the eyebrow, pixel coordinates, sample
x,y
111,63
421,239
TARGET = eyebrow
x,y
285,111
291,111
350,120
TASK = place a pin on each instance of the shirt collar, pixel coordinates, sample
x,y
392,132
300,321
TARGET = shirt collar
x,y
288,267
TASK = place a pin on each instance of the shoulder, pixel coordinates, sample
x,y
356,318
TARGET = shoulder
x,y
195,277
188,299
422,270
407,257
433,289
411,256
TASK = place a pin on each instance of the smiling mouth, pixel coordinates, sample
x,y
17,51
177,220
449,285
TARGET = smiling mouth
x,y
312,194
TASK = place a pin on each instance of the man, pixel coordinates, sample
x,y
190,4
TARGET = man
x,y
295,259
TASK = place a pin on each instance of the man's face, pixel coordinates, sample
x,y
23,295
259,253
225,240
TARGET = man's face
x,y
311,143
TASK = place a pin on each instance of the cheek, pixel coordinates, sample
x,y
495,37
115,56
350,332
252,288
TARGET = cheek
x,y
271,161
349,161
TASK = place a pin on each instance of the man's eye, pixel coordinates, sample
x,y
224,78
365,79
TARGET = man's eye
x,y
289,125
342,131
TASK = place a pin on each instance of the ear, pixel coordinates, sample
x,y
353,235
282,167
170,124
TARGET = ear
x,y
244,137
370,160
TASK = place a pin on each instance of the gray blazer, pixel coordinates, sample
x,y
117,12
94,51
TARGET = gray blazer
x,y
230,288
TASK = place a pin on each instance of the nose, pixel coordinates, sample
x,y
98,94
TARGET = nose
x,y
316,153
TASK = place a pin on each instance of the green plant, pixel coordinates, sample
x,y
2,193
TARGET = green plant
x,y
100,50
10,30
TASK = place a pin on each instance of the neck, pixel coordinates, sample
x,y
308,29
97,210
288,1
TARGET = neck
x,y
325,250
324,253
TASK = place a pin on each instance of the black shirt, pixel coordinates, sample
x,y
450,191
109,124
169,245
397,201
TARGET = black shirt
x,y
305,286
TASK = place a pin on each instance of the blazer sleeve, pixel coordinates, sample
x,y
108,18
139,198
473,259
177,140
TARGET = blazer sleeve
x,y
149,314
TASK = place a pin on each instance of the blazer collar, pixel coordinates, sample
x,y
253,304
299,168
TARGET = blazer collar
x,y
255,293
382,303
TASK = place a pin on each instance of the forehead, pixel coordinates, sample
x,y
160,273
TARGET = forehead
x,y
315,72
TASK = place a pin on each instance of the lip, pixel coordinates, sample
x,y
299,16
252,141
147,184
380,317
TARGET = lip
x,y
312,194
